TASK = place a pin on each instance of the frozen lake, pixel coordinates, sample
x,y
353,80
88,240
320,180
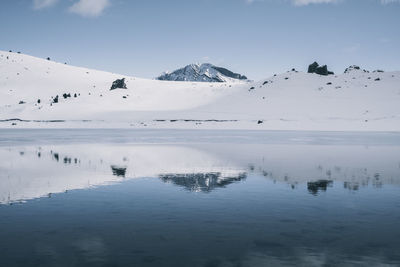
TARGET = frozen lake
x,y
199,198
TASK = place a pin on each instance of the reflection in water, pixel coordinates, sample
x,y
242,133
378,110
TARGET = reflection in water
x,y
55,156
55,169
317,186
32,172
118,171
201,182
261,208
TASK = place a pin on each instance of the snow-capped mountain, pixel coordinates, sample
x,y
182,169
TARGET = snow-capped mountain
x,y
37,92
201,73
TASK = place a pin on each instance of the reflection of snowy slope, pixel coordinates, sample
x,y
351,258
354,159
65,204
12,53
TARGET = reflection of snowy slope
x,y
353,165
32,172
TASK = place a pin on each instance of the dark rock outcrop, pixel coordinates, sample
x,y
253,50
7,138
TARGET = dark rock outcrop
x,y
354,67
321,70
118,84
230,74
65,95
313,67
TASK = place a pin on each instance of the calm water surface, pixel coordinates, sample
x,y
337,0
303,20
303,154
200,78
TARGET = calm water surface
x,y
205,198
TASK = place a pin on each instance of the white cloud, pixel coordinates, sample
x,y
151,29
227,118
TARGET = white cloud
x,y
307,2
39,4
89,8
384,2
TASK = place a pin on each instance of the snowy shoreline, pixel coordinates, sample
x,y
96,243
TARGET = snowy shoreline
x,y
187,124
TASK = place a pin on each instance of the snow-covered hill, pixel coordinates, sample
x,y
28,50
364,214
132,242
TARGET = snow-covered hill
x,y
355,100
202,73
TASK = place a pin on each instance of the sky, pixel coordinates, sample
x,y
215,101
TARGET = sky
x,y
256,38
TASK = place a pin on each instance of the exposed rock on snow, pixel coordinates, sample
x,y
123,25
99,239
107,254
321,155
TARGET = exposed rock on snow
x,y
65,95
201,73
321,70
118,84
313,67
229,73
354,68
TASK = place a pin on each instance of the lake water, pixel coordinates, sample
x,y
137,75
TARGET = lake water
x,y
199,198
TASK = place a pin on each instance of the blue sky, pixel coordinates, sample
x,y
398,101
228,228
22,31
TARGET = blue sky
x,y
255,37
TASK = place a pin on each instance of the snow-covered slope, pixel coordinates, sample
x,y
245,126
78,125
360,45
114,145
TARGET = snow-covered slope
x,y
25,79
355,100
202,73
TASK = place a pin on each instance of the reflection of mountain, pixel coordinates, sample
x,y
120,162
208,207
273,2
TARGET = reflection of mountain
x,y
201,182
317,186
